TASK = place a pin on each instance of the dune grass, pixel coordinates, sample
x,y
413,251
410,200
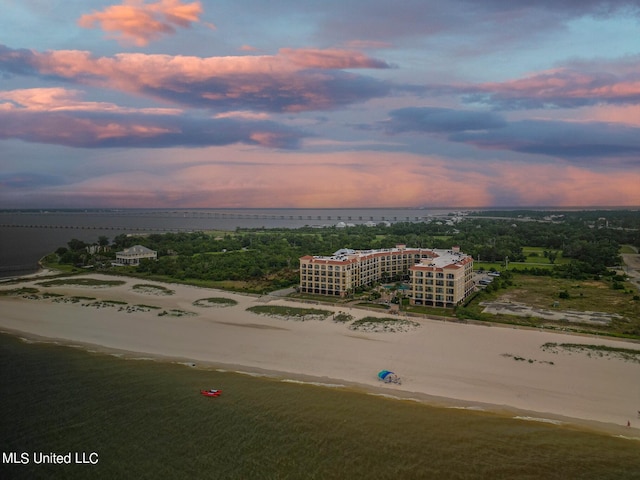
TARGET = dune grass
x,y
153,289
215,302
384,324
290,313
82,282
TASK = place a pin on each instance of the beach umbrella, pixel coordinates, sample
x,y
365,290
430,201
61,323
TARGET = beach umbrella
x,y
382,375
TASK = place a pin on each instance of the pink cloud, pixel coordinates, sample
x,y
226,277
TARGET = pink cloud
x,y
562,87
624,114
59,116
333,180
58,99
347,179
292,80
137,22
80,131
330,58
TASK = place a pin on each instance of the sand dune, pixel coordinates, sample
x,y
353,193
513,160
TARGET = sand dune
x,y
495,368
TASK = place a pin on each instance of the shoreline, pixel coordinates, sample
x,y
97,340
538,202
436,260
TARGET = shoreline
x,y
443,364
503,411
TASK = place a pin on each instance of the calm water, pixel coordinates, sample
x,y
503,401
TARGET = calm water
x,y
25,237
145,419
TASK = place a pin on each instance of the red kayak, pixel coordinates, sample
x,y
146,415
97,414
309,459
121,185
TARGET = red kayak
x,y
211,393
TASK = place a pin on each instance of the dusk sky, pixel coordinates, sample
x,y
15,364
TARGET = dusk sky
x,y
299,103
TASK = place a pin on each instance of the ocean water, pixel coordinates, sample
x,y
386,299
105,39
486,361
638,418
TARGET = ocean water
x,y
145,419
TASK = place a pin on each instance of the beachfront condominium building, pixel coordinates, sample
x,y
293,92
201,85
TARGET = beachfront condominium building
x,y
344,271
442,281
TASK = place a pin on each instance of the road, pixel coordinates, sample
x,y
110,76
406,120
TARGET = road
x,y
632,267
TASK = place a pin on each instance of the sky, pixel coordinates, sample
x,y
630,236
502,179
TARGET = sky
x,y
319,104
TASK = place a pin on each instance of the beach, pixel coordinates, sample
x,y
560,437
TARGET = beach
x,y
498,369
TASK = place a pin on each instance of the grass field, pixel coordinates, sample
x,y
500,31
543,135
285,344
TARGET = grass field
x,y
627,249
535,255
585,295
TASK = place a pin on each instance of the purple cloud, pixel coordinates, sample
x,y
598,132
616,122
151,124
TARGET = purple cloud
x,y
103,130
562,88
440,120
573,141
29,180
510,20
294,80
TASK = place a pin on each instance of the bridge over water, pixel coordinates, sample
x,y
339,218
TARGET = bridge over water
x,y
191,221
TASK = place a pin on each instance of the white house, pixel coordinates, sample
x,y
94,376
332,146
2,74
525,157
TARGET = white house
x,y
133,255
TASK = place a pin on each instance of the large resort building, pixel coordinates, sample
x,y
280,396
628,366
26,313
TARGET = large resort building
x,y
441,278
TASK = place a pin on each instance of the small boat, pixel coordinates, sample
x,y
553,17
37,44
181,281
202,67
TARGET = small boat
x,y
211,393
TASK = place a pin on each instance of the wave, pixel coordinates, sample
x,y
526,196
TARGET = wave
x,y
187,364
541,420
252,374
394,397
34,341
625,437
472,407
317,384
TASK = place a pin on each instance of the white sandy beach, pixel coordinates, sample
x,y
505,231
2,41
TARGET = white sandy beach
x,y
440,362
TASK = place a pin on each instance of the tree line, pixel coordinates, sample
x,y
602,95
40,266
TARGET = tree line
x,y
249,254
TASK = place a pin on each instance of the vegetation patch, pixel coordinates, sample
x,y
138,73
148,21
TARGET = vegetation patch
x,y
528,360
147,307
82,282
342,317
152,289
105,304
290,313
428,310
176,313
380,306
137,308
607,311
389,325
64,299
596,351
52,295
215,302
18,292
45,296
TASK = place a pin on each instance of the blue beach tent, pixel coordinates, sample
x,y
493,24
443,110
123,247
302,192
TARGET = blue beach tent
x,y
388,376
